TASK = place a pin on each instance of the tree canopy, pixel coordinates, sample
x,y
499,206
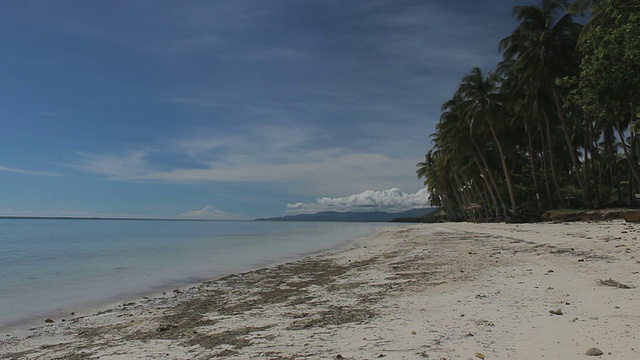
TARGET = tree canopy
x,y
554,126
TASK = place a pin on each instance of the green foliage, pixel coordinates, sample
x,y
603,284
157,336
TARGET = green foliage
x,y
559,127
610,68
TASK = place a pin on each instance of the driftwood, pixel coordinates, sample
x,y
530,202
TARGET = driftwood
x,y
611,282
631,217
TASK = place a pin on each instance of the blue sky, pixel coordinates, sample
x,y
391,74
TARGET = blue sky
x,y
228,109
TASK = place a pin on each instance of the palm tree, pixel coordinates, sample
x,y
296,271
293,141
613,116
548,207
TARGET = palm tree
x,y
582,6
426,171
436,179
541,50
610,69
482,107
453,134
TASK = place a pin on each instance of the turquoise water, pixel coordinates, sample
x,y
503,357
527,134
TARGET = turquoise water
x,y
51,267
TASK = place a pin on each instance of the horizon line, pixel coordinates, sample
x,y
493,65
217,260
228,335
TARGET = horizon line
x,y
107,218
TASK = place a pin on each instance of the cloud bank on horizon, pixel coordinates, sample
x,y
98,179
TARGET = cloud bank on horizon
x,y
210,213
393,200
229,109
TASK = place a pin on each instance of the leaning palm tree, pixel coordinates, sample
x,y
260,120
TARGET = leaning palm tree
x,y
454,135
483,108
541,50
435,179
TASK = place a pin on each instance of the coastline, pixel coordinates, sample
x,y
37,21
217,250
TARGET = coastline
x,y
419,291
53,278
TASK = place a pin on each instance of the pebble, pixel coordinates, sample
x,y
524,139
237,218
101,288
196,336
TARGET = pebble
x,y
594,352
48,321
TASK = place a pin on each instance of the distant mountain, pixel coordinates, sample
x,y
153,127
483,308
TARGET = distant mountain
x,y
350,216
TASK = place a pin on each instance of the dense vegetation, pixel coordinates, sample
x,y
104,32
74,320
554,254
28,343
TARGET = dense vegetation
x,y
554,126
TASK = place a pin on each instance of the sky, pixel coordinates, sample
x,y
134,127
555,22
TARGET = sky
x,y
229,109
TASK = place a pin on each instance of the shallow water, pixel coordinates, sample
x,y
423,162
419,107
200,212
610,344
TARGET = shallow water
x,y
51,267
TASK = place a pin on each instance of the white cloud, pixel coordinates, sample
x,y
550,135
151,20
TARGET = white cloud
x,y
210,213
274,54
65,213
199,101
303,172
264,154
392,200
132,165
28,172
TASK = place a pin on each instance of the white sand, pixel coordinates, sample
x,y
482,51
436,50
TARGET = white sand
x,y
441,291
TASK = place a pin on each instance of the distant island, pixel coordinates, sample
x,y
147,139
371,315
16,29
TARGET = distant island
x,y
352,216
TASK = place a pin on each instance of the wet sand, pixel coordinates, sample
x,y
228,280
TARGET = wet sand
x,y
437,291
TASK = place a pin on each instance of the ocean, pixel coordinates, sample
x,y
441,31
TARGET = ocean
x,y
52,267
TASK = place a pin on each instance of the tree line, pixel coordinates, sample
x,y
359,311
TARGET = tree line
x,y
555,125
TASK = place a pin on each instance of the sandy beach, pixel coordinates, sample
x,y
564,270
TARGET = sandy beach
x,y
432,291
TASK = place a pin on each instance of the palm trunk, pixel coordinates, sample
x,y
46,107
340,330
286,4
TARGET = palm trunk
x,y
531,161
487,186
615,177
507,175
457,199
594,156
572,150
628,155
487,195
491,178
463,198
545,170
552,162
